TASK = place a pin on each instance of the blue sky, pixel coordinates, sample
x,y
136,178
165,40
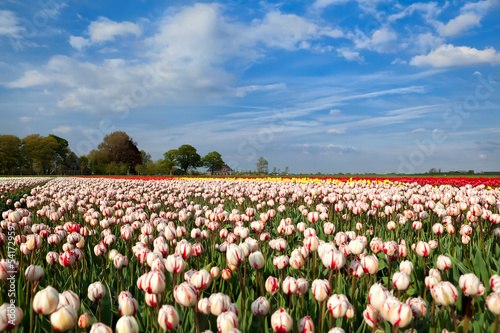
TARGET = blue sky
x,y
319,86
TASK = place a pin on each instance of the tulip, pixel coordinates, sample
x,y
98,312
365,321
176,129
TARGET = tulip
x,y
371,316
306,325
120,261
406,266
186,294
471,285
151,300
256,260
289,285
204,306
281,321
389,303
443,263
338,305
272,285
302,286
201,279
127,324
96,291
495,282
493,303
260,307
370,264
320,289
175,264
100,328
84,321
400,315
168,318
333,259
235,255
444,293
10,316
227,321
46,301
356,268
377,295
69,297
226,274
401,280
33,273
127,306
336,330
64,318
418,307
219,303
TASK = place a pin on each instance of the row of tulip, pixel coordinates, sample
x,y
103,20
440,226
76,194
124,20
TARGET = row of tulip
x,y
229,255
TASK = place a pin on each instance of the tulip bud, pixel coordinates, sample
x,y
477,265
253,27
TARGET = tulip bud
x,y
64,318
186,294
227,321
302,286
443,262
377,295
444,293
495,282
46,301
100,328
423,249
272,285
33,273
70,298
371,315
84,320
370,264
471,285
127,324
235,255
226,274
168,318
215,271
260,307
10,317
175,264
493,303
96,291
418,307
400,315
201,279
127,306
406,266
338,305
401,280
281,321
320,289
306,325
256,260
289,285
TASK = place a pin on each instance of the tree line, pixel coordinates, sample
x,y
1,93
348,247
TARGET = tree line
x,y
117,154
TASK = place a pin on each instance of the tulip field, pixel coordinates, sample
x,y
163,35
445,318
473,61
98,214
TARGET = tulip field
x,y
250,255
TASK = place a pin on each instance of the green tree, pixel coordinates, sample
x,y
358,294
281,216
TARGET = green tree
x,y
213,161
40,153
10,154
187,157
170,160
119,148
262,166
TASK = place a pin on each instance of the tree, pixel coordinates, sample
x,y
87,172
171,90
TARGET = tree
x,y
213,161
187,157
287,170
10,154
40,153
262,165
170,160
119,148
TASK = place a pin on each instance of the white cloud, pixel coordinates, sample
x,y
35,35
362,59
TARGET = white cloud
x,y
350,55
321,4
62,129
78,42
427,10
399,61
460,24
334,111
184,60
25,119
336,131
9,23
455,56
482,156
105,30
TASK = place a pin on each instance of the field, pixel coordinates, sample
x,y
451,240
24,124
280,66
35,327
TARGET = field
x,y
257,254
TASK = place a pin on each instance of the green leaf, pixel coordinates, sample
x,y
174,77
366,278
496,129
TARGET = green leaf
x,y
106,307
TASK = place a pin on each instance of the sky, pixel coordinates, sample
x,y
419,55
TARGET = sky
x,y
330,86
